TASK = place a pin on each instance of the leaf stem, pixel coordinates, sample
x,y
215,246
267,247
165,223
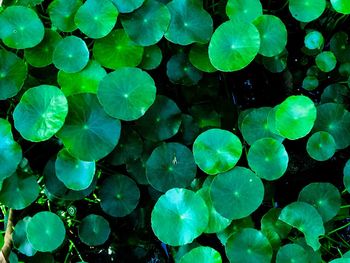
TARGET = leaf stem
x,y
339,228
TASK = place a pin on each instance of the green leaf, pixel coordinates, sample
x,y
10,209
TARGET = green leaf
x,y
162,121
346,173
41,55
341,6
321,146
74,173
229,49
116,50
85,81
306,219
199,58
127,6
277,63
236,193
326,61
170,165
94,230
310,83
271,30
298,112
40,113
45,231
152,19
248,246
89,134
152,57
244,10
62,14
325,197
337,93
179,216
292,253
20,27
96,18
201,255
119,195
314,40
19,191
306,11
10,151
127,93
71,54
20,240
216,151
268,158
340,46
189,23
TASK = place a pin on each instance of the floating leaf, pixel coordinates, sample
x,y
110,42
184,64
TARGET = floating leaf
x,y
74,173
248,246
341,6
325,197
268,158
216,151
45,231
127,93
94,230
179,216
62,14
13,72
119,195
321,146
96,18
20,27
19,191
127,6
314,40
199,58
41,55
85,81
20,240
236,193
170,165
306,219
162,121
298,112
271,30
10,151
326,61
201,255
229,49
116,50
152,19
246,10
307,11
40,113
152,57
89,134
71,54
292,253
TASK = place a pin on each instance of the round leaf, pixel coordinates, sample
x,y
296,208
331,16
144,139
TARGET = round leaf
x,y
152,57
62,14
321,146
326,61
20,240
246,10
341,6
292,253
94,230
310,83
346,178
201,255
306,11
40,113
199,58
127,6
337,93
314,40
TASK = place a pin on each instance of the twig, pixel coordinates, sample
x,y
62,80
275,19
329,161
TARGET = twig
x,y
6,248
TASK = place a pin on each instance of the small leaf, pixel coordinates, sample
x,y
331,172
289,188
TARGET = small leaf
x,y
94,230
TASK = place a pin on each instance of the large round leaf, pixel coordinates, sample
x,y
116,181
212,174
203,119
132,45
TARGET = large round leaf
x,y
119,195
229,49
341,6
20,240
306,10
10,151
162,121
127,93
292,253
170,165
20,27
236,193
325,197
62,14
248,246
74,173
179,216
40,113
94,230
268,158
306,219
216,151
13,72
96,18
271,30
116,50
89,134
298,112
245,10
152,19
19,191
189,23
201,255
71,54
321,146
45,231
127,6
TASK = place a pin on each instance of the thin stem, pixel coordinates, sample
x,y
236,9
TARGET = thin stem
x,y
344,206
68,253
339,228
76,250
